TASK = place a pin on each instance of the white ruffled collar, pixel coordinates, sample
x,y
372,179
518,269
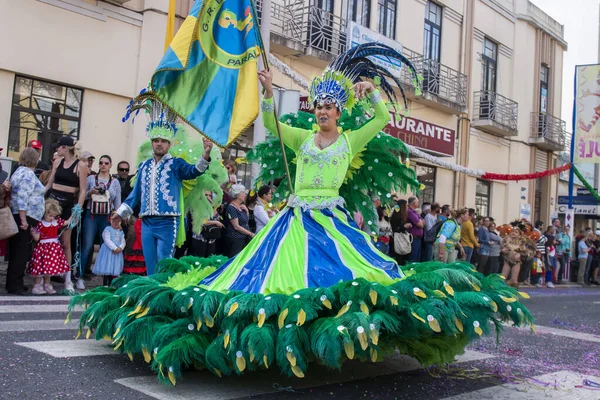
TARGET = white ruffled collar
x,y
47,224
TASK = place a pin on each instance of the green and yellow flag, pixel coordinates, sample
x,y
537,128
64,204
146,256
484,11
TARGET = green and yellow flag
x,y
208,75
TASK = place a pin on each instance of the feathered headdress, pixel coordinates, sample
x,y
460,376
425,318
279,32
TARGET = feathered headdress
x,y
163,121
335,85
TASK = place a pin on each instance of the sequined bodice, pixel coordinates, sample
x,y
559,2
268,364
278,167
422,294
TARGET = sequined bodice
x,y
320,173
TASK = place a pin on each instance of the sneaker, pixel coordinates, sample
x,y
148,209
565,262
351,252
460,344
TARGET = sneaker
x,y
49,289
550,285
69,287
79,285
595,283
538,285
526,283
38,289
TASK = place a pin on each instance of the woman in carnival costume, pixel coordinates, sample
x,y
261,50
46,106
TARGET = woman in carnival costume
x,y
310,287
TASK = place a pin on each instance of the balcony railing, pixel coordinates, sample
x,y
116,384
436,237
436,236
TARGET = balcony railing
x,y
495,113
313,28
548,132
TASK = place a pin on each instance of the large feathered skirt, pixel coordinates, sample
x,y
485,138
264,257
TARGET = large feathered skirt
x,y
310,288
303,249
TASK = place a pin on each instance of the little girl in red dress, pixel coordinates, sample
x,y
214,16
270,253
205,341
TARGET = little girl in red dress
x,y
48,258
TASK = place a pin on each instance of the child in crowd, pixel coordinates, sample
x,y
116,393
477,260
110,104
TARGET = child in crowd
x,y
537,270
48,258
109,262
133,255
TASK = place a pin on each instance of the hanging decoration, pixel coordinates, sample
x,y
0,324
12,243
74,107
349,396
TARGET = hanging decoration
x,y
415,152
586,184
488,176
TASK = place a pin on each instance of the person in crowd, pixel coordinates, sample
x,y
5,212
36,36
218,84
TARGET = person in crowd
x,y
359,219
515,250
582,253
541,242
133,255
5,188
448,239
538,269
262,211
399,224
563,252
28,209
431,219
89,158
445,213
416,229
550,259
493,263
467,238
592,253
483,236
237,231
66,185
124,179
109,263
204,243
41,166
103,194
425,209
593,273
48,258
385,230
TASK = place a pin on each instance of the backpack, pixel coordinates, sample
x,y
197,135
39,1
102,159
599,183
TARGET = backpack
x,y
100,203
432,234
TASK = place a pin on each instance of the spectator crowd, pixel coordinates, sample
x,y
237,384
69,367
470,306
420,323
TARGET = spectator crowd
x,y
44,238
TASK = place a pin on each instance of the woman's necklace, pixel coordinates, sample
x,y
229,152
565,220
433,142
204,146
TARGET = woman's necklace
x,y
320,142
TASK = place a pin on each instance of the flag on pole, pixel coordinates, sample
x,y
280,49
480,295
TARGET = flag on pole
x,y
208,75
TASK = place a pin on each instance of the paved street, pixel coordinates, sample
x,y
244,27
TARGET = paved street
x,y
39,358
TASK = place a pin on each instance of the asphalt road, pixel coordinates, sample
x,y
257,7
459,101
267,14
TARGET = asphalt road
x,y
40,359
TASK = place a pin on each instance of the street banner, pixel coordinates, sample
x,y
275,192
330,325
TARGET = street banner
x,y
586,114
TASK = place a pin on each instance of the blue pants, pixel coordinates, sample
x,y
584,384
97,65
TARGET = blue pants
x,y
415,250
158,239
468,253
92,225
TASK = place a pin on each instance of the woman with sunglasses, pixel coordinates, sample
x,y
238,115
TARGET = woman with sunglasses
x,y
103,194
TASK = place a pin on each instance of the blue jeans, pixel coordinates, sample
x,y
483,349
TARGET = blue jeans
x,y
415,250
468,253
92,225
158,240
427,252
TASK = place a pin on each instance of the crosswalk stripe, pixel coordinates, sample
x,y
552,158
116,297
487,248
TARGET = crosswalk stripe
x,y
71,348
565,333
252,384
561,385
17,299
35,308
38,325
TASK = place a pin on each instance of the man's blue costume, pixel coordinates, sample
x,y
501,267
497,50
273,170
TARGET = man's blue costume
x,y
158,191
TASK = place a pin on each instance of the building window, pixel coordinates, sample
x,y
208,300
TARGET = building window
x,y
490,65
433,32
358,11
544,75
482,198
426,176
387,18
44,111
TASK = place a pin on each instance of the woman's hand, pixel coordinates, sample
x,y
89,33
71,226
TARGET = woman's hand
x,y
7,185
244,208
407,225
266,80
362,88
208,145
24,225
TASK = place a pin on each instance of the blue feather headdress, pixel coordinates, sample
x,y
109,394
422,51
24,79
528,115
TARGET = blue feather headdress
x,y
163,121
335,85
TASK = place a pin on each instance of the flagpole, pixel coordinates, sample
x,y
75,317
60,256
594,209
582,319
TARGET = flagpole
x,y
266,63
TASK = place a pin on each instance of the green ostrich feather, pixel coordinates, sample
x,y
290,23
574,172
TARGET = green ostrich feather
x,y
180,281
292,350
183,352
139,334
259,344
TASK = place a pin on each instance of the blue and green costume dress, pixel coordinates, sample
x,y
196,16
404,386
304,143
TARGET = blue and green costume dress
x,y
309,288
314,241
